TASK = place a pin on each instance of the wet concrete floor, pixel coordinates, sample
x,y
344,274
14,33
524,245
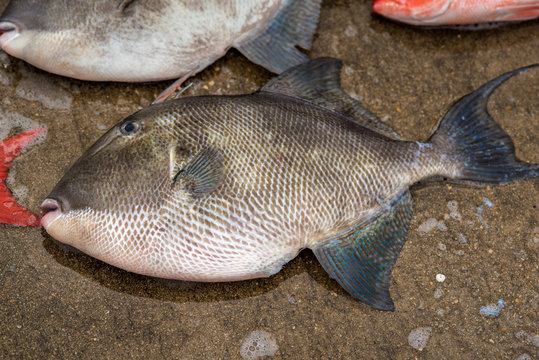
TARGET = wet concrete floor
x,y
59,304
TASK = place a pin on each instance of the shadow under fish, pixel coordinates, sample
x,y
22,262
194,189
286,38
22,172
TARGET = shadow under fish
x,y
227,188
179,291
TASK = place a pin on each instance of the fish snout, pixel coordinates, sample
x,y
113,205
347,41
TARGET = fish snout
x,y
8,31
51,209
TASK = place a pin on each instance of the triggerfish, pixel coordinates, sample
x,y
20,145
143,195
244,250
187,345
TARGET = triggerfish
x,y
226,188
467,14
11,212
151,40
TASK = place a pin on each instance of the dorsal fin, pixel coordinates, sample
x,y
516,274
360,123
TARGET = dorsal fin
x,y
318,81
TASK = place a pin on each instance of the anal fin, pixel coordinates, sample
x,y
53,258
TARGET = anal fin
x,y
361,259
275,46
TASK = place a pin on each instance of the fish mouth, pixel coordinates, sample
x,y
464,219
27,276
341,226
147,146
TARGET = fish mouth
x,y
50,209
8,31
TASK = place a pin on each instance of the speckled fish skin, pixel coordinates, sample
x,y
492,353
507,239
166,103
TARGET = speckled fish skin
x,y
146,40
294,175
222,188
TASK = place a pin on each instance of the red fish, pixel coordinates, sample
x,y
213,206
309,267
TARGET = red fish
x,y
11,212
456,12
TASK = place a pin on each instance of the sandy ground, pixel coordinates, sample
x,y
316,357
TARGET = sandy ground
x,y
59,304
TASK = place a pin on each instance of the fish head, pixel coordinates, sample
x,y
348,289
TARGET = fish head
x,y
415,12
98,40
108,203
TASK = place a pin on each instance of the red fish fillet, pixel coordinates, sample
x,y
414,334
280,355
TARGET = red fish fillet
x,y
11,212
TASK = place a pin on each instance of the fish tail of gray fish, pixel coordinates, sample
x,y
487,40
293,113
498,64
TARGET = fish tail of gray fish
x,y
483,151
362,258
275,46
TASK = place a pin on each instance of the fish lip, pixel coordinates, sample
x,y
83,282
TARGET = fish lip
x,y
8,31
51,209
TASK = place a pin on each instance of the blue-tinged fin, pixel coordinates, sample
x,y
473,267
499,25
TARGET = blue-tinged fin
x,y
202,174
274,47
483,150
361,259
319,82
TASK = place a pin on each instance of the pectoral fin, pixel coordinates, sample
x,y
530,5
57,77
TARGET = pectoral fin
x,y
202,174
361,260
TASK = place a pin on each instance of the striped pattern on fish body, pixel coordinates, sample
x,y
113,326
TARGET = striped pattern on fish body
x,y
233,187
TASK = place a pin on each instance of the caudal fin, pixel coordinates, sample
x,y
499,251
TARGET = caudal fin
x,y
11,212
483,151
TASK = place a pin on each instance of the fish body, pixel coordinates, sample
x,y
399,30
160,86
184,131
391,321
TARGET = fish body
x,y
149,40
225,188
11,212
456,12
251,225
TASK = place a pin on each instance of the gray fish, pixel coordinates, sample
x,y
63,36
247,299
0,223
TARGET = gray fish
x,y
225,188
149,40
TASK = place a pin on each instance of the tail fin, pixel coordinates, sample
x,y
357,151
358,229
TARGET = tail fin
x,y
483,150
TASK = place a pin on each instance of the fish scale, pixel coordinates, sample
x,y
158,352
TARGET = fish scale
x,y
224,188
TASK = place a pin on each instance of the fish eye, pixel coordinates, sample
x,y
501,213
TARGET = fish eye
x,y
130,127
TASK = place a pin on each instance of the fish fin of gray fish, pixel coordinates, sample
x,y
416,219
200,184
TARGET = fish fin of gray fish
x,y
361,260
484,151
202,174
319,82
275,46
